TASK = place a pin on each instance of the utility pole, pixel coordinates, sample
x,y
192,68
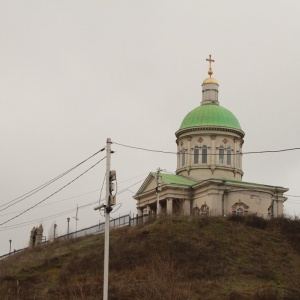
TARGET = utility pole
x,y
110,201
107,211
68,219
76,219
9,246
158,189
54,230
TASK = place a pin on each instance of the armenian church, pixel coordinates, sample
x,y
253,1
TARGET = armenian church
x,y
208,179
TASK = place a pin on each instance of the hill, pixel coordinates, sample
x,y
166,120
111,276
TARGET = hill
x,y
169,258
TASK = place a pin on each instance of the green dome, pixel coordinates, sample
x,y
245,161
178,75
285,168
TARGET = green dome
x,y
210,115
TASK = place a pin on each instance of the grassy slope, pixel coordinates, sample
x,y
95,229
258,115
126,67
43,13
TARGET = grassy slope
x,y
171,258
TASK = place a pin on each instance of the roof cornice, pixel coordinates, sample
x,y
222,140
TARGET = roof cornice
x,y
179,132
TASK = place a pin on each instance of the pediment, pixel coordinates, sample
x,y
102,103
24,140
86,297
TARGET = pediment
x,y
148,185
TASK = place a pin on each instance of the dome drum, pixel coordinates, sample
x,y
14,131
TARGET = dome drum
x,y
208,155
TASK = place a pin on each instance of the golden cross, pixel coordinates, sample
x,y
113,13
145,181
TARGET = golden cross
x,y
210,72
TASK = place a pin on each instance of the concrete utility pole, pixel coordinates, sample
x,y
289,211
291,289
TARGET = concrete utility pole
x,y
9,246
107,211
110,200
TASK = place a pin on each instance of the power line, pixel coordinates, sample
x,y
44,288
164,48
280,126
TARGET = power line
x,y
87,193
145,149
54,192
36,220
54,202
188,153
34,191
14,226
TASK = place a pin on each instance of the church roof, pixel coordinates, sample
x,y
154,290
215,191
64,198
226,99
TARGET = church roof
x,y
210,115
176,179
166,179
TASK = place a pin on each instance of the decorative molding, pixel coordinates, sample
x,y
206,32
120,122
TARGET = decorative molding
x,y
238,132
204,210
239,204
200,140
196,211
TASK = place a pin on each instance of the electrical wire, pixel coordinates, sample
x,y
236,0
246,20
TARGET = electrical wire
x,y
34,191
54,202
4,228
53,193
14,226
188,153
87,193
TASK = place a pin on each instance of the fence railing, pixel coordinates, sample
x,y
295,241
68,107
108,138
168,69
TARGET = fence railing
x,y
125,220
118,222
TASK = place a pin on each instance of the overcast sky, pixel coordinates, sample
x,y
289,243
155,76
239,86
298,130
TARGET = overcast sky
x,y
73,73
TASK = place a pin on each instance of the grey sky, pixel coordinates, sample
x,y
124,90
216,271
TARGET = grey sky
x,y
73,73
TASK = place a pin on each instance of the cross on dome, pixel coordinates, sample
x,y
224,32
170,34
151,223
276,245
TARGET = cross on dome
x,y
210,71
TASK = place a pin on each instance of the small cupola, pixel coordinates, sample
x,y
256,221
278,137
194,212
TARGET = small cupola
x,y
210,87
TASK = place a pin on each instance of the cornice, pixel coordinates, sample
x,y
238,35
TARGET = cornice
x,y
209,128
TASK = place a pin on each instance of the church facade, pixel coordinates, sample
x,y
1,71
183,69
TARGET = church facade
x,y
208,179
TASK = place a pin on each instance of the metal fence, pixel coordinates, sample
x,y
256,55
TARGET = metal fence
x,y
125,220
118,222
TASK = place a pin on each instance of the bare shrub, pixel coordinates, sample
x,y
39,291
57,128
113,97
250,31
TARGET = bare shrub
x,y
255,221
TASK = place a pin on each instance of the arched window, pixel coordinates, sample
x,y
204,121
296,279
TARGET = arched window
x,y
183,157
196,211
204,155
221,155
239,211
204,210
196,155
228,156
240,208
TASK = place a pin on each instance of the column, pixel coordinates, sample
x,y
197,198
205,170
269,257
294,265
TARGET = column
x,y
169,206
186,207
241,158
140,212
234,156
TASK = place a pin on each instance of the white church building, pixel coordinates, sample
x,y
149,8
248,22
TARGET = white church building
x,y
208,179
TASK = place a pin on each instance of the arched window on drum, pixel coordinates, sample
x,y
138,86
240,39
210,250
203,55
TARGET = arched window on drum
x,y
228,156
196,155
204,154
221,155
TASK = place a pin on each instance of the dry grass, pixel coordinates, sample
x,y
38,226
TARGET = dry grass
x,y
170,258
